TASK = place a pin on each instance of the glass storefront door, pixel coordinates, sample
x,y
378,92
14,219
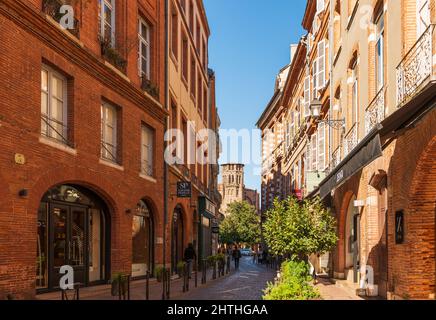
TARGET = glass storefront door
x,y
72,230
69,229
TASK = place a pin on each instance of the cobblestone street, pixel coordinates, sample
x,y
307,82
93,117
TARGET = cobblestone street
x,y
246,284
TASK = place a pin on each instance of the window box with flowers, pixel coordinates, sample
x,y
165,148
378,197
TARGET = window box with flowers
x,y
150,87
111,55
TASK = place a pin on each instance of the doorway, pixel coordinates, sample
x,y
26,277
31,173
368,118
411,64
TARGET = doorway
x,y
72,231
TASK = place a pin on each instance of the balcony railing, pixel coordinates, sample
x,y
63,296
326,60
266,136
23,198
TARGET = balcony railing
x,y
53,9
351,140
375,113
416,67
336,158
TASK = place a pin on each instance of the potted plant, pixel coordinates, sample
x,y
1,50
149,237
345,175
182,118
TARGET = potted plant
x,y
181,268
159,273
221,258
119,283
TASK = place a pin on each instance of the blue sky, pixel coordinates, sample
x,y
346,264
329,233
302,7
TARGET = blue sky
x,y
249,44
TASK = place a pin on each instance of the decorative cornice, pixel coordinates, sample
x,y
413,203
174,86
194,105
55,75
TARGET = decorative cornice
x,y
36,24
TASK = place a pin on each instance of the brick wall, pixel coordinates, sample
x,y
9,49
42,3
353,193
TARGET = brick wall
x,y
46,165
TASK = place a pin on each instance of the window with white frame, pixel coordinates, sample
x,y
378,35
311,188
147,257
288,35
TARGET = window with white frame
x,y
321,146
109,148
320,6
315,79
292,129
423,16
320,66
354,95
144,49
308,164
147,150
314,150
307,96
288,134
106,19
54,105
379,51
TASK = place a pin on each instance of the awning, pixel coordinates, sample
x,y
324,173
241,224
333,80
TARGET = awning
x,y
365,153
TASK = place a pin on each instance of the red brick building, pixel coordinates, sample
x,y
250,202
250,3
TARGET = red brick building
x,y
82,124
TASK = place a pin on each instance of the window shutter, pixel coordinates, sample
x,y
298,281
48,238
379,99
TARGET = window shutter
x,y
307,96
321,65
314,156
320,6
321,146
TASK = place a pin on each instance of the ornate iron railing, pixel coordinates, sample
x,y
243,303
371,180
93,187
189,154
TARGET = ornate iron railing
x,y
351,140
336,158
375,113
53,9
416,67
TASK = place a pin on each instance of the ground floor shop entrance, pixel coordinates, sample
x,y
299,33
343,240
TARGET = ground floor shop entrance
x,y
73,230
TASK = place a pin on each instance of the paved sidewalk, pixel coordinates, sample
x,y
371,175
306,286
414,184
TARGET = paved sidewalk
x,y
137,290
332,291
247,283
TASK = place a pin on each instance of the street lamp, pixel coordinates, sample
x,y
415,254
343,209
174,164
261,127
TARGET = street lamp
x,y
315,111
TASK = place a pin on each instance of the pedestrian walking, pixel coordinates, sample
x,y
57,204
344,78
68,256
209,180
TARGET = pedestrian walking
x,y
236,254
190,256
254,252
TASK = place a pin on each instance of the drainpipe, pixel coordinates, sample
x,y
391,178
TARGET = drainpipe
x,y
331,50
165,173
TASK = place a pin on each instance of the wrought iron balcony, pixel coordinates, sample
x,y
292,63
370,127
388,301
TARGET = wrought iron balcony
x,y
336,158
351,140
53,9
375,113
416,68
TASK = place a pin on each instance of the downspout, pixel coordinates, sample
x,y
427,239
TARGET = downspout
x,y
165,173
331,61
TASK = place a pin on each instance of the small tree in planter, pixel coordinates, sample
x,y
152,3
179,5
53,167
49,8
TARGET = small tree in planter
x,y
120,284
221,258
211,261
301,229
159,273
181,268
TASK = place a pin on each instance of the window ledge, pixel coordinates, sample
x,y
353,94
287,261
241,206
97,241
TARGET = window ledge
x,y
68,34
57,145
111,164
108,64
148,178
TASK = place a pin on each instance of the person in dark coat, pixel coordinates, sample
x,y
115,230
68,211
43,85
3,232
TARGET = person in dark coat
x,y
190,256
236,254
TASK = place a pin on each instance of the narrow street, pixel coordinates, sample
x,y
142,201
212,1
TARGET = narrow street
x,y
246,284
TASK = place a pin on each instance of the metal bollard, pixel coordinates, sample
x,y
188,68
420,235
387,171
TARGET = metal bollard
x,y
164,286
147,286
168,283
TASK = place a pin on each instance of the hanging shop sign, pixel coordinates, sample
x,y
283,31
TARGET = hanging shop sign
x,y
399,227
184,189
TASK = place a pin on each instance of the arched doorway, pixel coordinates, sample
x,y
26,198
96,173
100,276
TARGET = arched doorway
x,y
178,237
352,241
142,241
73,230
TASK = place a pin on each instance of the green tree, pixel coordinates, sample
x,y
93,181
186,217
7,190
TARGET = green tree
x,y
302,229
242,224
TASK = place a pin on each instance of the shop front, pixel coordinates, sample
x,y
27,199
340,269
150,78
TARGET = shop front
x,y
207,221
73,230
